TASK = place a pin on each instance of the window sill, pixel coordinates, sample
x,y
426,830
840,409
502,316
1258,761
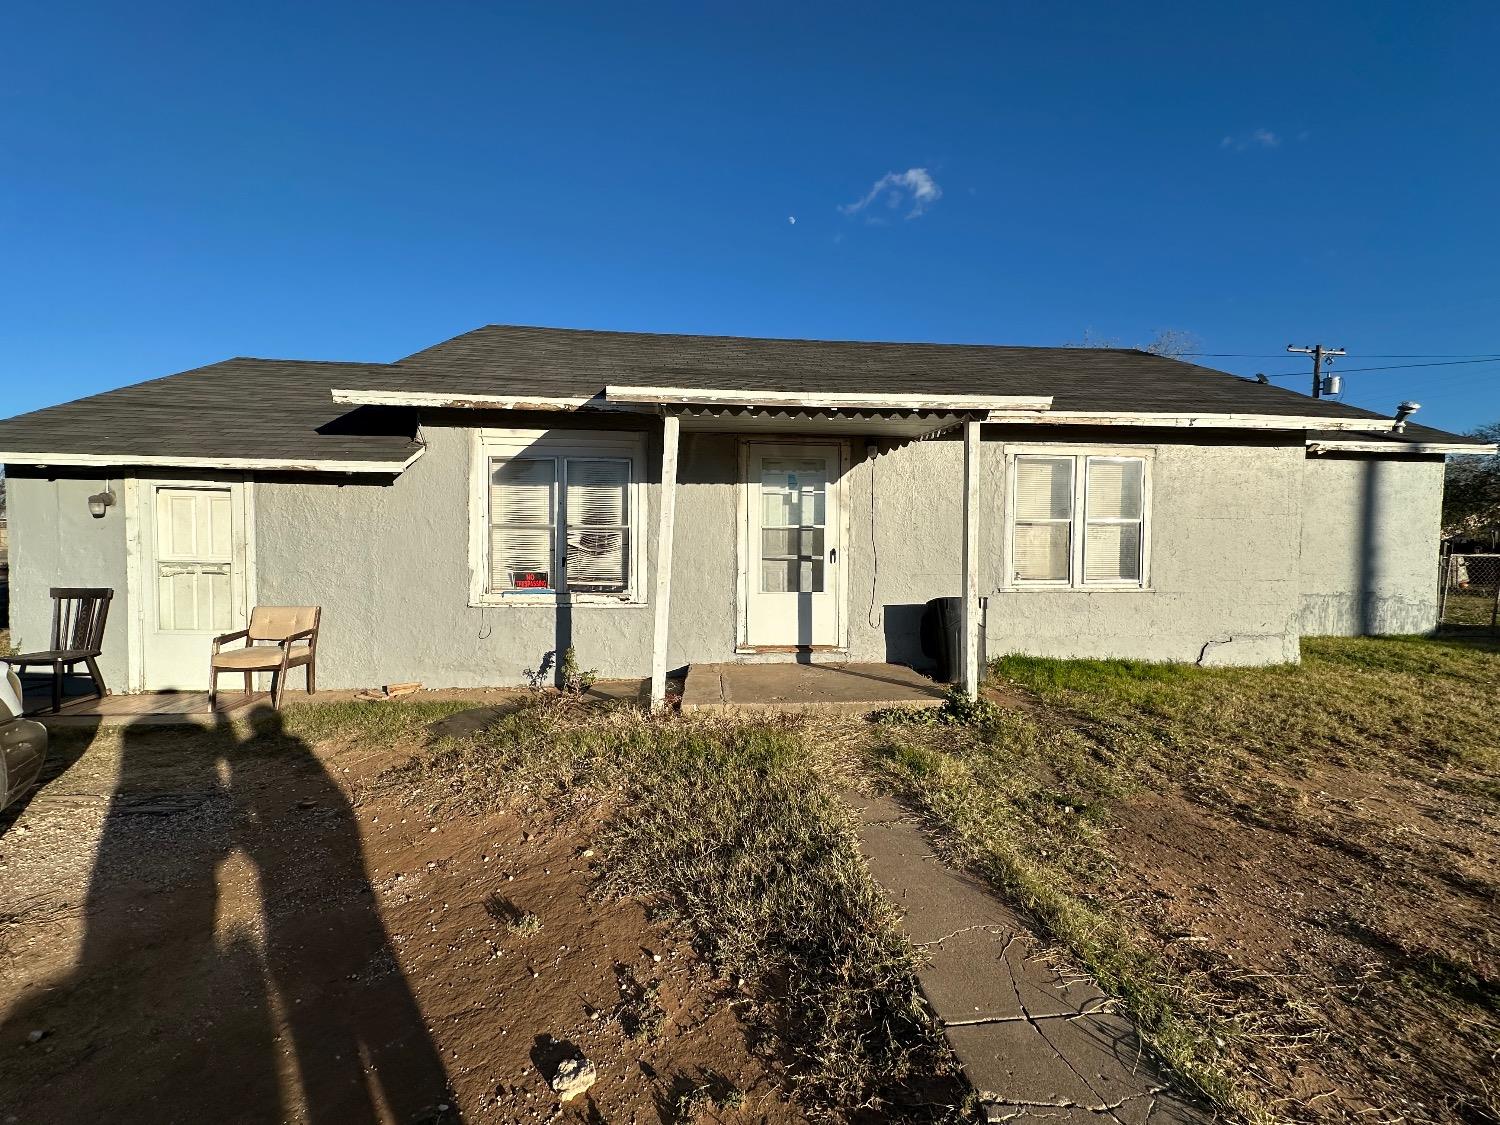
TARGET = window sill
x,y
1058,588
552,601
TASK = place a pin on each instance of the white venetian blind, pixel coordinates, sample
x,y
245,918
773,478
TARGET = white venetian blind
x,y
598,520
523,530
1043,518
1113,513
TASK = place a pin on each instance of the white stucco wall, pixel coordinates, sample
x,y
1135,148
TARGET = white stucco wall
x,y
1251,544
1369,545
55,542
1223,579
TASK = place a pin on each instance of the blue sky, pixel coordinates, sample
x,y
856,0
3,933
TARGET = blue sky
x,y
182,183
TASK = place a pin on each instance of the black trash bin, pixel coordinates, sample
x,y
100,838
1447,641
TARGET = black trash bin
x,y
943,637
942,624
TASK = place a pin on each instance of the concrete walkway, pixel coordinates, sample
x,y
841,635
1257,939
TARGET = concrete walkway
x,y
1033,1042
788,687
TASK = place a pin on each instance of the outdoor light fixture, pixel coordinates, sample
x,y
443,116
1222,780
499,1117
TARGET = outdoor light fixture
x,y
1405,411
100,501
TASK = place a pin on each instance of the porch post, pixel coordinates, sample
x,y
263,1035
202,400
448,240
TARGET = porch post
x,y
971,559
666,511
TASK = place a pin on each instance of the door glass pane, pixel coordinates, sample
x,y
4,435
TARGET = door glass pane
x,y
794,499
791,576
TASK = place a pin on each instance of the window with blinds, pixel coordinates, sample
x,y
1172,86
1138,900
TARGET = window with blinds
x,y
572,511
1044,519
1078,520
1114,515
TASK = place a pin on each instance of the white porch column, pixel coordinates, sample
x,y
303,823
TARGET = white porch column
x,y
971,559
666,512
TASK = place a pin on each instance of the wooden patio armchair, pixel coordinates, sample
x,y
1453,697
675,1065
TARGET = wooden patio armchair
x,y
280,638
78,617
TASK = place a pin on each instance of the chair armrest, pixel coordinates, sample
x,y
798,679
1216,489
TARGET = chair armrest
x,y
305,635
237,635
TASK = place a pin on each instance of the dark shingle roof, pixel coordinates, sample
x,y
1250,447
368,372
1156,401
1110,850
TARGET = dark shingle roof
x,y
282,411
509,360
269,409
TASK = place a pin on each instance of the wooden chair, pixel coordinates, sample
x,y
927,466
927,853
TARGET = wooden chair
x,y
279,639
78,617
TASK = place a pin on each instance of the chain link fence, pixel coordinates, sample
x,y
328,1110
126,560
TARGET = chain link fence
x,y
1469,597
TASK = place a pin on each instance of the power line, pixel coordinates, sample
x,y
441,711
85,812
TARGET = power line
x,y
1393,366
1476,356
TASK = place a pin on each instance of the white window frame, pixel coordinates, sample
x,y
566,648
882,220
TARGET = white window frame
x,y
557,445
1078,525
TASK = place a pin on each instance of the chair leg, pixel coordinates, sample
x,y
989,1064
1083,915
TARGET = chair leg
x,y
312,677
57,677
249,684
99,688
276,691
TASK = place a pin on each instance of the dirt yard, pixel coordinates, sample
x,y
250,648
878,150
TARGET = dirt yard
x,y
200,928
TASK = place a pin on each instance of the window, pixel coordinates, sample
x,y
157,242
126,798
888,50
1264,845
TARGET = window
x,y
1078,520
557,517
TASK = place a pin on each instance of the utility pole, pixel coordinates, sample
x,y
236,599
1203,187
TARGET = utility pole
x,y
1319,353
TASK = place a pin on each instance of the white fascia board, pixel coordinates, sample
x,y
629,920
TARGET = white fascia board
x,y
1202,421
269,464
466,401
1352,446
821,400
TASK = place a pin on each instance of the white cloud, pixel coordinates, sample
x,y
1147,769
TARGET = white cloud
x,y
1256,138
914,189
792,219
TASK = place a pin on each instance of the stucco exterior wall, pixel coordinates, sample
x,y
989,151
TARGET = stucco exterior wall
x,y
55,542
1223,580
389,563
1252,543
1369,544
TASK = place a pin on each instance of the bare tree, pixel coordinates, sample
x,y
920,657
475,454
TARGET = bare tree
x,y
1174,343
1471,489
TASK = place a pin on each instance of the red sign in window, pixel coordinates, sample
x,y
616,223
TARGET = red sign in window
x,y
530,580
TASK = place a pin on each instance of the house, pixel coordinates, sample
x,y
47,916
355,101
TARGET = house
x,y
499,496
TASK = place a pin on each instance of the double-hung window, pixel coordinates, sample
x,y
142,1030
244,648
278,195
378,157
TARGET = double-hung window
x,y
1078,520
556,517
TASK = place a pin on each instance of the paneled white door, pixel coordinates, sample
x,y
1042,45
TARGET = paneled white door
x,y
194,586
792,548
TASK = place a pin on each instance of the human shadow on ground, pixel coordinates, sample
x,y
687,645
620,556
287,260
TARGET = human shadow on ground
x,y
233,965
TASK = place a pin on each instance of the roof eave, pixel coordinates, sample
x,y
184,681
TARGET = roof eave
x,y
1017,409
264,464
1432,447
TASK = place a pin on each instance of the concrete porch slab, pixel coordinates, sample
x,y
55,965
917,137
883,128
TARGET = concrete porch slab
x,y
779,688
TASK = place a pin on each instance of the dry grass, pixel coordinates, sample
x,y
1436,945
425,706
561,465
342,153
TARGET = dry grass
x,y
736,830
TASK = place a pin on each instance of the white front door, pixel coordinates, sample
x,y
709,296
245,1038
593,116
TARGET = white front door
x,y
193,588
792,549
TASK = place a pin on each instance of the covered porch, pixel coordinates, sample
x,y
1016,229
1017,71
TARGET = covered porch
x,y
791,642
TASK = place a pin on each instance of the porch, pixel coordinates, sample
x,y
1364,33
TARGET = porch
x,y
141,709
744,688
782,688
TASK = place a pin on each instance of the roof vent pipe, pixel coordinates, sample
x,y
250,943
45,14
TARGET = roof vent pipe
x,y
1405,411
